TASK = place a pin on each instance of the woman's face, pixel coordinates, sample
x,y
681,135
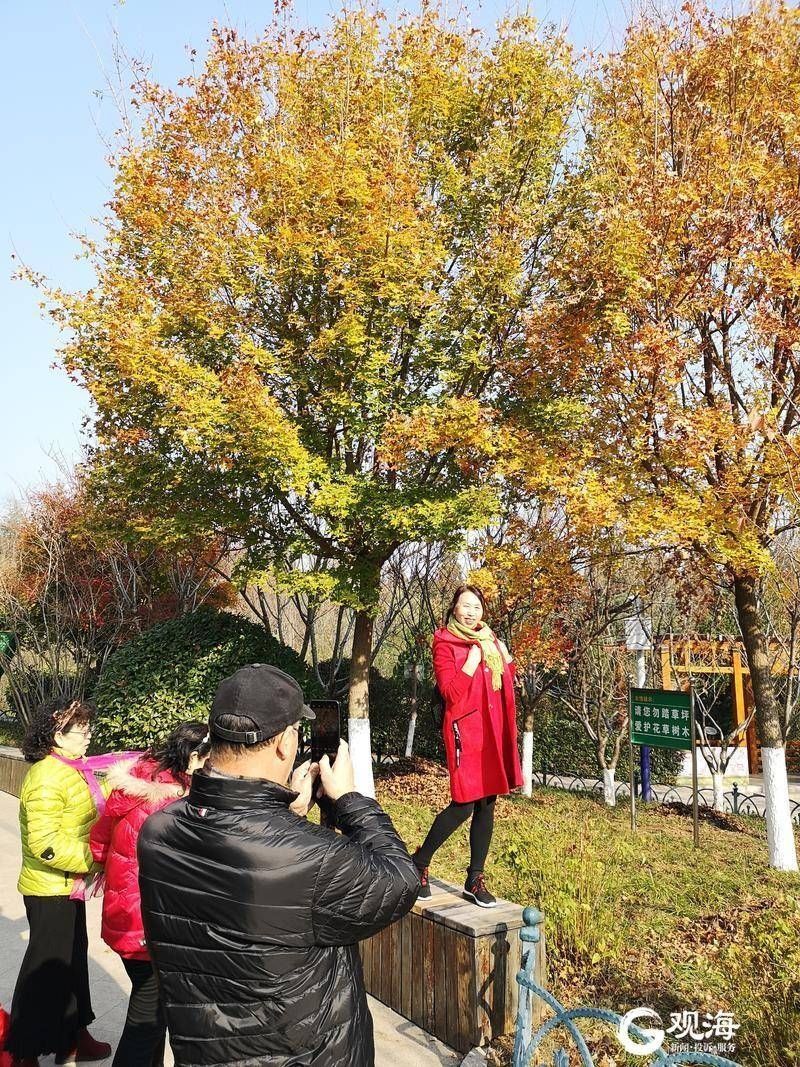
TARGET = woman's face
x,y
468,610
74,741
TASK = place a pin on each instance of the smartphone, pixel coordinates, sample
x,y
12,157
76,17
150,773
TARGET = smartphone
x,y
326,729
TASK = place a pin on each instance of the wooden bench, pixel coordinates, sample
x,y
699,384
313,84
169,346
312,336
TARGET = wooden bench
x,y
13,769
450,967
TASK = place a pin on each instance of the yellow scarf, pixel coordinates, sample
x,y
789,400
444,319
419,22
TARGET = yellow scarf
x,y
485,638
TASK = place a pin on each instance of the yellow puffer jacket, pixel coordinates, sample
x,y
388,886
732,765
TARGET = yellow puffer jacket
x,y
56,813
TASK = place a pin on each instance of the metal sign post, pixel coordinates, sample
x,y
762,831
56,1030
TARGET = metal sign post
x,y
695,802
633,782
637,639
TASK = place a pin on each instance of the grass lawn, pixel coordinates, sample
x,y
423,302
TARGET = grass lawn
x,y
641,919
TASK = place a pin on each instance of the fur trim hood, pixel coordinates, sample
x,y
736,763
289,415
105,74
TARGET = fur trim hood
x,y
131,784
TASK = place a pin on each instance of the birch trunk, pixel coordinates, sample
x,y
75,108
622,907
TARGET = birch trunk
x,y
527,755
358,729
780,832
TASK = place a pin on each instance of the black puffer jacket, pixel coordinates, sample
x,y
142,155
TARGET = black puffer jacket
x,y
252,915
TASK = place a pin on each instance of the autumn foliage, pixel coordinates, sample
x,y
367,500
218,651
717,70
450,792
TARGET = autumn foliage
x,y
391,284
71,592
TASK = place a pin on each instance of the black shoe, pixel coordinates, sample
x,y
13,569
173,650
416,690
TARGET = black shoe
x,y
425,889
475,890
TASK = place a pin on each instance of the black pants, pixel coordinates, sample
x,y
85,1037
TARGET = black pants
x,y
51,998
143,1039
449,820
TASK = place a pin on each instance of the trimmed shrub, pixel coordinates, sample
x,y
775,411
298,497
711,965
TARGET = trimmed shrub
x,y
169,675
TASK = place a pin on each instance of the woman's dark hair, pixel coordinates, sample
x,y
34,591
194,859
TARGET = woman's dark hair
x,y
174,753
48,719
460,590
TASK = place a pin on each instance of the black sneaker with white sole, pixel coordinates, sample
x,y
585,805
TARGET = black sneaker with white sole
x,y
476,891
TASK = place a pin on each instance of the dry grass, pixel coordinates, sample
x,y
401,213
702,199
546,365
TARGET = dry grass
x,y
639,919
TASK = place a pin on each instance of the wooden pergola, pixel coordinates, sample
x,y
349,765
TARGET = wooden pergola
x,y
683,657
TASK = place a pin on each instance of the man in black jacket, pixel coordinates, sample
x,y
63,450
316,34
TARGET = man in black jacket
x,y
252,913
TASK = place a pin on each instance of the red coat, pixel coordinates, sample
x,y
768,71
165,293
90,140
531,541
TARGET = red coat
x,y
6,1059
113,839
480,725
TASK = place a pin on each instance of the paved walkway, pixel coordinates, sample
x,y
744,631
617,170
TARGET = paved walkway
x,y
397,1041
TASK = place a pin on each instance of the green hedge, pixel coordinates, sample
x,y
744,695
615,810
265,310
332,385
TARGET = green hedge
x,y
169,675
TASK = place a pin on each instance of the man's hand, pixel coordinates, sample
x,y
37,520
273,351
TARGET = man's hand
x,y
302,782
504,650
473,660
337,779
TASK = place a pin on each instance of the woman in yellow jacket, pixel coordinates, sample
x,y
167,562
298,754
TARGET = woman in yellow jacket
x,y
52,1007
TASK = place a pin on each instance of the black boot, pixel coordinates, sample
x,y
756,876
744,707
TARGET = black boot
x,y
425,889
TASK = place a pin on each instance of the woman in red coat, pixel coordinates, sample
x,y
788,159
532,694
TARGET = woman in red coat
x,y
139,788
475,676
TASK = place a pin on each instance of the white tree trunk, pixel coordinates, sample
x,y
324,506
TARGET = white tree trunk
x,y
358,733
412,726
609,790
718,780
780,832
527,763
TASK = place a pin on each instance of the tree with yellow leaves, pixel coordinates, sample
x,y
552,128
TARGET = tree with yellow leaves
x,y
675,314
312,275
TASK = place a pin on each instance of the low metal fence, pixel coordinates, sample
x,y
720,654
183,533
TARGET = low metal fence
x,y
735,801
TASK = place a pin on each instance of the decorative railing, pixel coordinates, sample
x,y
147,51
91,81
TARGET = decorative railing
x,y
735,801
567,1020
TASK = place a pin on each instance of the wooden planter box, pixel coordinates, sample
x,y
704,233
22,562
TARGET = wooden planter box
x,y
13,769
450,967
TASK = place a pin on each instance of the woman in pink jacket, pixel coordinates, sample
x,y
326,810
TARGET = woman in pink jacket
x,y
475,676
140,787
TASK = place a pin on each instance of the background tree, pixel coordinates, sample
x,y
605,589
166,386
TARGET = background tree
x,y
314,270
563,585
528,566
70,593
677,312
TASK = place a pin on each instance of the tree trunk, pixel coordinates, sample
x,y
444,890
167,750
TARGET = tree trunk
x,y
358,730
412,722
718,780
527,755
609,787
310,624
780,832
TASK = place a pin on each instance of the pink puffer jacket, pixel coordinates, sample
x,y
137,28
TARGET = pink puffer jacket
x,y
135,795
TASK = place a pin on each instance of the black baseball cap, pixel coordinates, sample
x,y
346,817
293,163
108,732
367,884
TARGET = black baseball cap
x,y
268,697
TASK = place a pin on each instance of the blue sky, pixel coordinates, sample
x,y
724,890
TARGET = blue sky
x,y
57,115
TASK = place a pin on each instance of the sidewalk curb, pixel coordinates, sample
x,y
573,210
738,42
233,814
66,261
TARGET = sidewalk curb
x,y
476,1057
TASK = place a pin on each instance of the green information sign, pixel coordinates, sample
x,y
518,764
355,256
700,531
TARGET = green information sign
x,y
661,718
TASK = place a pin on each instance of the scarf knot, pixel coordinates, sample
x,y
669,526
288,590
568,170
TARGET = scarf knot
x,y
484,637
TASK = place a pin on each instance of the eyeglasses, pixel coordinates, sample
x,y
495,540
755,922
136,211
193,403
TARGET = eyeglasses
x,y
80,728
